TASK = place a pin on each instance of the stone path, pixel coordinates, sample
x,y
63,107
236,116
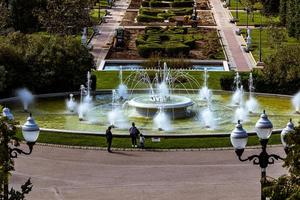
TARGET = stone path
x,y
237,57
101,43
63,174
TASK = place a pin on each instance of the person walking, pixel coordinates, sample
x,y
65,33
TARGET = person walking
x,y
109,137
134,132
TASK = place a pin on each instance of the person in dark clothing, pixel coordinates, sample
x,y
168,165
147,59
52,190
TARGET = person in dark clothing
x,y
109,137
134,132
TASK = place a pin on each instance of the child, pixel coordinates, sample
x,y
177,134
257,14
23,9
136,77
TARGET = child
x,y
142,141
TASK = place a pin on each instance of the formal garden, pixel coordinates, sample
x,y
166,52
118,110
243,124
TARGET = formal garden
x,y
171,85
196,43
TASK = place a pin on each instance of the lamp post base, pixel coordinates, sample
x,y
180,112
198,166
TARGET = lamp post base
x,y
260,64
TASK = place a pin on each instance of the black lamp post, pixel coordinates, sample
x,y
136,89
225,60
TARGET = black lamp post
x,y
239,138
99,13
260,62
236,11
30,131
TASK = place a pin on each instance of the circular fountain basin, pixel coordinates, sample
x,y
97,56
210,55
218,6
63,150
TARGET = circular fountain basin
x,y
176,106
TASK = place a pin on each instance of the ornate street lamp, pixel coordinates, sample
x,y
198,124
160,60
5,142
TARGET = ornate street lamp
x,y
290,128
30,132
263,128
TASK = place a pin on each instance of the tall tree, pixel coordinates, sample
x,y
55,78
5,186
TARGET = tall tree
x,y
4,17
65,16
22,15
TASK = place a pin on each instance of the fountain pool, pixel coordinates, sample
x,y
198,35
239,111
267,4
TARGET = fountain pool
x,y
52,113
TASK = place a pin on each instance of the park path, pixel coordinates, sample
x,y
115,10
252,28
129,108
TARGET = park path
x,y
102,42
237,57
76,174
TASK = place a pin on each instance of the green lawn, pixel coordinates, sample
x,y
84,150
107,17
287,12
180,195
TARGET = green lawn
x,y
165,143
267,49
95,14
233,3
255,20
110,79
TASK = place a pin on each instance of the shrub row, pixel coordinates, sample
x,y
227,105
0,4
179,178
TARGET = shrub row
x,y
158,15
169,48
168,3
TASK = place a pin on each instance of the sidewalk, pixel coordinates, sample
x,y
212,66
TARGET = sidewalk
x,y
101,43
238,59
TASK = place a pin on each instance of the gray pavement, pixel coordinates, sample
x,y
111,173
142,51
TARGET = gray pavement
x,y
61,173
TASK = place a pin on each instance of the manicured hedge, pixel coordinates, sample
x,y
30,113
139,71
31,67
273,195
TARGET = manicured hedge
x,y
148,18
159,4
175,49
146,50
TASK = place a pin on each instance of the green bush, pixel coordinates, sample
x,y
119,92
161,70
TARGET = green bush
x,y
146,3
159,4
191,43
146,50
150,12
182,4
175,49
182,11
166,15
148,18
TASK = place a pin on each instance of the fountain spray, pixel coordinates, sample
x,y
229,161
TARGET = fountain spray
x,y
251,104
296,102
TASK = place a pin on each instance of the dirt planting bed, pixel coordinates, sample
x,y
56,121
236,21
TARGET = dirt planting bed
x,y
207,46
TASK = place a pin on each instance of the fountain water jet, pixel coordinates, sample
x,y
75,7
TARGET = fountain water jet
x,y
204,92
162,121
86,100
26,98
71,104
237,97
251,104
296,102
122,88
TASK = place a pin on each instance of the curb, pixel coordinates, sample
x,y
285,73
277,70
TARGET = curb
x,y
147,150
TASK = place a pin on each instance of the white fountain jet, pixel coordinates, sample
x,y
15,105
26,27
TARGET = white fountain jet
x,y
116,116
26,98
241,112
204,92
86,101
122,88
162,121
296,102
71,104
251,104
237,97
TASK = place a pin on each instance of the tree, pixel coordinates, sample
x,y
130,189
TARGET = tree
x,y
277,35
4,17
3,73
65,16
288,186
44,63
271,7
282,68
22,15
290,16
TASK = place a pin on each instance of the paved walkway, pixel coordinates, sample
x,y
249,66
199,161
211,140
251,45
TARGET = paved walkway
x,y
237,57
102,42
63,174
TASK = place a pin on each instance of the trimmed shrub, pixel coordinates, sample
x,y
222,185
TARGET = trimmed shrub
x,y
182,11
175,49
166,15
146,3
191,43
148,18
182,4
159,4
147,50
150,12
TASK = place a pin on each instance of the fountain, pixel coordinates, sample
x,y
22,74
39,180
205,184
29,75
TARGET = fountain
x,y
204,92
71,104
26,98
122,88
237,97
207,115
173,105
251,104
86,100
162,121
296,102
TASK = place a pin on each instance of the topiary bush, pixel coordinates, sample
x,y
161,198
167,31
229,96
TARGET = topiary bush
x,y
175,49
159,4
148,18
182,4
146,50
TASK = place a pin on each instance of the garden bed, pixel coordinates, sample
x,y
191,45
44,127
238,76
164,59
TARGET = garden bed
x,y
193,43
206,18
